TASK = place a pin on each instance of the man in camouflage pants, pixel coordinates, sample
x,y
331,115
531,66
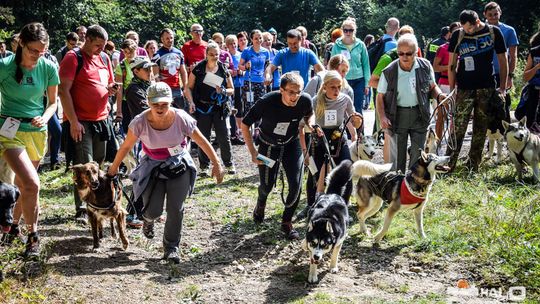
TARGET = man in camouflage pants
x,y
475,45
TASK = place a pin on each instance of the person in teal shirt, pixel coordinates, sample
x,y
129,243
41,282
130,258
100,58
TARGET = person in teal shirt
x,y
23,136
356,52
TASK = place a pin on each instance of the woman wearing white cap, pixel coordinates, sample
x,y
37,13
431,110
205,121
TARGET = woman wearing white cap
x,y
167,167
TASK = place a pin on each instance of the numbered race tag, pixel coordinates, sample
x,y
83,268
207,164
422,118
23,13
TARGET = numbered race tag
x,y
249,97
312,166
103,76
267,161
469,64
281,128
330,118
347,54
175,150
10,127
412,84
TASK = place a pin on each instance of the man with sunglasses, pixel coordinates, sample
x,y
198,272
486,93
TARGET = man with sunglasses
x,y
195,49
404,90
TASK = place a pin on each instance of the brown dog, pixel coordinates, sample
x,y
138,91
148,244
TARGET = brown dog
x,y
103,201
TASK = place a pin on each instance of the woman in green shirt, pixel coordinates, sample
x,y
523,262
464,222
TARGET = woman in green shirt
x,y
23,135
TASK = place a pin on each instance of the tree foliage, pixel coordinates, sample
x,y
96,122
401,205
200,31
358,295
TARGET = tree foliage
x,y
149,17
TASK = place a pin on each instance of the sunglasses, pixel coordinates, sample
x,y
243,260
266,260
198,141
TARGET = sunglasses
x,y
408,54
197,31
348,30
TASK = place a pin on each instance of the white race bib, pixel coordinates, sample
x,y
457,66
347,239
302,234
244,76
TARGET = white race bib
x,y
10,127
330,118
281,128
347,54
175,150
469,64
104,77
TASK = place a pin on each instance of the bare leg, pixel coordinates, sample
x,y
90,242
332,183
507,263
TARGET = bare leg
x,y
27,180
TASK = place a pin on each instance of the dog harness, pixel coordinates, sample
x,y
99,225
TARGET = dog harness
x,y
408,197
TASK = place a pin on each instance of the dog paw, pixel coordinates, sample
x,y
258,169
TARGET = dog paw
x,y
334,270
125,246
97,250
313,280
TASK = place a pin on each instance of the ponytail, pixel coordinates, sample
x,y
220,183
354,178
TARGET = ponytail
x,y
18,70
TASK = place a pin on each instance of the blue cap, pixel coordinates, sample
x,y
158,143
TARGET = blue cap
x,y
272,31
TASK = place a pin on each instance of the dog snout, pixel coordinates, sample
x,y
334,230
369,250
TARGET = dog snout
x,y
95,184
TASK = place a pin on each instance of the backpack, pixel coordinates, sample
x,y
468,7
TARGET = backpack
x,y
460,39
78,54
375,51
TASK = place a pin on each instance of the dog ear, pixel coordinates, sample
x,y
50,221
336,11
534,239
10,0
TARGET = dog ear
x,y
329,227
310,226
16,193
505,125
523,121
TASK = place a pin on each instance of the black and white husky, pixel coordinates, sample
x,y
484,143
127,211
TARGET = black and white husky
x,y
377,184
524,147
327,221
364,148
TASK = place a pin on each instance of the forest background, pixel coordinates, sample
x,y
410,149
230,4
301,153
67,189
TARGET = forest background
x,y
149,17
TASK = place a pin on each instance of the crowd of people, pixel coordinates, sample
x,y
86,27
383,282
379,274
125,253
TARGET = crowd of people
x,y
278,99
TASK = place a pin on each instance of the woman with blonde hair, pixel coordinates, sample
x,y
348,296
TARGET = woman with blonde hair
x,y
355,51
332,108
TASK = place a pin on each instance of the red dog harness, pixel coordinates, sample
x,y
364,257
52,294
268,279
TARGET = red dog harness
x,y
407,196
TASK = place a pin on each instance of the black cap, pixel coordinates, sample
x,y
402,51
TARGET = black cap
x,y
444,30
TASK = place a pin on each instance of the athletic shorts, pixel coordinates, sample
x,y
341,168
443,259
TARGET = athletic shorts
x,y
33,142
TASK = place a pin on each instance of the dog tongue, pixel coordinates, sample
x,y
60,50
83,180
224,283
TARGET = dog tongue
x,y
6,229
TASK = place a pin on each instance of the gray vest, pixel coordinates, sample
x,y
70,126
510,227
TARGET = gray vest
x,y
423,89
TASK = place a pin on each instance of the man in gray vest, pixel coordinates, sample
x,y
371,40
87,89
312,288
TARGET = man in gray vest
x,y
403,104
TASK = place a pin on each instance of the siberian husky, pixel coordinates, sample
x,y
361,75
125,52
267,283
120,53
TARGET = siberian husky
x,y
523,145
377,184
327,221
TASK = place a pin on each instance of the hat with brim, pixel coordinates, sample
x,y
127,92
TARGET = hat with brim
x,y
159,92
141,62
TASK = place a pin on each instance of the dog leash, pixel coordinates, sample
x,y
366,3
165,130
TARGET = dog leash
x,y
448,115
116,196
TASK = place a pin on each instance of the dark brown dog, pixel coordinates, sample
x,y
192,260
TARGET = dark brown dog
x,y
103,201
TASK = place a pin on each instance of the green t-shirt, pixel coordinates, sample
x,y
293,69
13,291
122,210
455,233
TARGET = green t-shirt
x,y
384,61
123,69
25,99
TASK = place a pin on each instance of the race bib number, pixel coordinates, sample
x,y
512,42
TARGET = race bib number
x,y
347,54
330,118
469,64
412,84
281,128
175,150
104,77
10,127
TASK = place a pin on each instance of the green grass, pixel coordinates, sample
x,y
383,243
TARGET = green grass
x,y
485,223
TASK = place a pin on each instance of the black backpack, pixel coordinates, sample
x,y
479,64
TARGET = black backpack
x,y
375,51
78,54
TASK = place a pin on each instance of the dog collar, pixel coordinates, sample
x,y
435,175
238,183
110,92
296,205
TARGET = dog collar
x,y
407,196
